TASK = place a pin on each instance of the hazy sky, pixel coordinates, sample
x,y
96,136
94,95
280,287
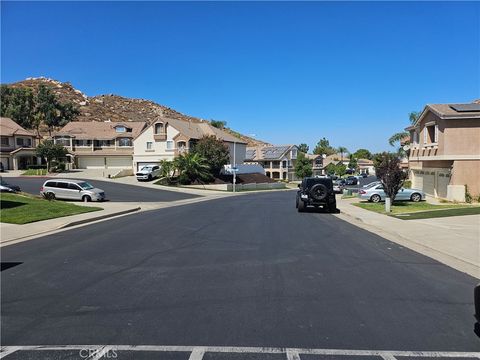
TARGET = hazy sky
x,y
288,72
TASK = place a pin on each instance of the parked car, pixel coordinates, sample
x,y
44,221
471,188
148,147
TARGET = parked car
x,y
351,180
337,188
371,184
68,189
376,194
148,172
6,187
364,175
316,192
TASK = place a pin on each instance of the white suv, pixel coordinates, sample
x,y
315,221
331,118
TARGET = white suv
x,y
148,172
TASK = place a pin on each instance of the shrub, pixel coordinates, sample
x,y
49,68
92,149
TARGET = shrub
x,y
407,184
468,196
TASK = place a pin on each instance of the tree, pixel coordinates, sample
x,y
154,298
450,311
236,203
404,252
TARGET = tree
x,y
398,137
18,104
192,167
353,163
363,154
50,151
330,169
218,124
340,169
214,151
303,148
388,171
342,150
303,166
323,147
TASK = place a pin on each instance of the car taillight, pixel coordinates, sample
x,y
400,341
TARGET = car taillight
x,y
362,192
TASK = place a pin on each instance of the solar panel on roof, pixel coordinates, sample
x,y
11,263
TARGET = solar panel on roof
x,y
465,107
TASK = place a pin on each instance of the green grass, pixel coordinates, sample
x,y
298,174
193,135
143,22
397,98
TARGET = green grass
x,y
23,209
35,172
472,210
407,210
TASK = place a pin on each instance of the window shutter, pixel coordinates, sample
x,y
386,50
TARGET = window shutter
x,y
436,133
425,135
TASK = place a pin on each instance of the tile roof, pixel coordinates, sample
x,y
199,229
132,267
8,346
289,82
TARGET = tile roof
x,y
8,127
100,130
447,111
197,130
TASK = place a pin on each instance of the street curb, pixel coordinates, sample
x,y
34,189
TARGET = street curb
x,y
445,258
101,217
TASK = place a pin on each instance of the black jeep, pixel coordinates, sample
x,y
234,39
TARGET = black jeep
x,y
316,192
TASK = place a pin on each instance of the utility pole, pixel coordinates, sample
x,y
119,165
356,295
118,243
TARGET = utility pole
x,y
234,165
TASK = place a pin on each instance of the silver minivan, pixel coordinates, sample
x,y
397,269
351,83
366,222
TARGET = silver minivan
x,y
71,190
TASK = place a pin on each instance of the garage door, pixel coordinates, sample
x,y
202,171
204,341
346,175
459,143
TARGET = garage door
x,y
429,182
119,162
142,164
91,162
443,180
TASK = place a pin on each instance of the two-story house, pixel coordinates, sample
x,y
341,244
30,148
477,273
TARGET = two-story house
x,y
278,161
17,146
166,138
100,145
445,150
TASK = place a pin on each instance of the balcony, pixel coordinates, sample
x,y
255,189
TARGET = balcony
x,y
160,136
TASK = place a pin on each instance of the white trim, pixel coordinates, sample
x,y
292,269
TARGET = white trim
x,y
444,157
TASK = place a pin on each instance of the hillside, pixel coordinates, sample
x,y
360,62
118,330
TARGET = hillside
x,y
115,108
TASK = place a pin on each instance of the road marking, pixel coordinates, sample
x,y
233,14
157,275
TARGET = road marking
x,y
197,352
292,355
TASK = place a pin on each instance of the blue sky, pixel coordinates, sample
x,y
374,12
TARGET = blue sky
x,y
288,72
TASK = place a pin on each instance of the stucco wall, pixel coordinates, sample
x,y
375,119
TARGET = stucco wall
x,y
462,137
467,172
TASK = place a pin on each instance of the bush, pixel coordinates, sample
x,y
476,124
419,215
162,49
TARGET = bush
x,y
407,184
36,167
468,196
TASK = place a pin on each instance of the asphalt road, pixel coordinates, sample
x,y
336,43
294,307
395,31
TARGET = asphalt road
x,y
243,271
113,191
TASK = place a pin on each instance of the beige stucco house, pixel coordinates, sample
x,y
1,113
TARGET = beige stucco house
x,y
445,150
17,147
278,161
100,145
167,138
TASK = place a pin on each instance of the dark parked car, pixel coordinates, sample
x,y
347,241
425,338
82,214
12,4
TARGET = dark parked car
x,y
316,192
6,187
351,180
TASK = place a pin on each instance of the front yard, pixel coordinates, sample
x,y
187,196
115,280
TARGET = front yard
x,y
407,210
23,209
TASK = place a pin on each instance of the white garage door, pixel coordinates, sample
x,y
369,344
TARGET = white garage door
x,y
91,162
429,183
119,162
443,180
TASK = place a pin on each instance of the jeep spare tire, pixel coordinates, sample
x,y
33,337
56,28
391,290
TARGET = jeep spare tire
x,y
319,192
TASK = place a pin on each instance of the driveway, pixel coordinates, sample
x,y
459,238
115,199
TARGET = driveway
x,y
114,191
248,271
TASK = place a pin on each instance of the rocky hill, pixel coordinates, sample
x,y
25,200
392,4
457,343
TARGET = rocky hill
x,y
115,108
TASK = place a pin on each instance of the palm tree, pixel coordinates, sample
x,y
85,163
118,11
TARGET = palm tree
x,y
342,150
168,169
192,167
398,137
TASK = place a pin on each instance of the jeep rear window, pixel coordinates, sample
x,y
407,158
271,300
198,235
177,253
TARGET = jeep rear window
x,y
310,182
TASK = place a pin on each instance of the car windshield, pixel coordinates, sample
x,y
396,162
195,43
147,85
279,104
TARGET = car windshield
x,y
147,168
85,186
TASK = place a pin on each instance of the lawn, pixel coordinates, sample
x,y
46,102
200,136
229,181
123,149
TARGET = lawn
x,y
37,172
23,209
407,210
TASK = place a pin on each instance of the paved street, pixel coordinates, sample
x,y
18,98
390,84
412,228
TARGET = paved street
x,y
113,191
242,272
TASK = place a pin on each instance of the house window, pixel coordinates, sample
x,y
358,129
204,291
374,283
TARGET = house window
x,y
149,145
5,141
170,145
294,153
27,142
430,134
103,143
124,142
159,129
65,141
181,144
83,143
120,129
284,163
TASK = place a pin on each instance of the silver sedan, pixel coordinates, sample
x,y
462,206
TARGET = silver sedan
x,y
376,194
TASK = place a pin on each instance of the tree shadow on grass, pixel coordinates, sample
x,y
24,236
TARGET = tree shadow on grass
x,y
6,204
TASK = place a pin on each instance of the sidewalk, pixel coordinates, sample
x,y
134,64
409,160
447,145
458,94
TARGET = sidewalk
x,y
454,241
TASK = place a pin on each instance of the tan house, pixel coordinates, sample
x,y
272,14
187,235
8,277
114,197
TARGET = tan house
x,y
167,138
100,145
278,161
317,164
445,150
17,147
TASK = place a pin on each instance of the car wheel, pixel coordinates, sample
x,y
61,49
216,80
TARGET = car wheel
x,y
49,196
375,198
296,202
86,198
301,206
416,197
